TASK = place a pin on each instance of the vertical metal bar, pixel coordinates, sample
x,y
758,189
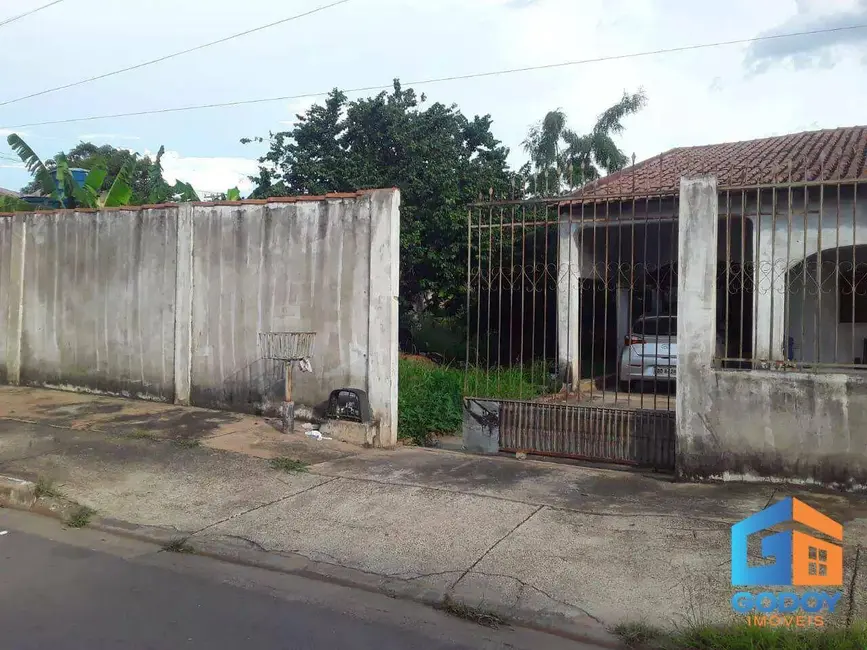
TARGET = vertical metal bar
x,y
756,270
771,325
817,355
490,290
469,289
545,305
659,299
594,312
774,274
804,269
854,267
500,307
533,307
523,297
837,308
629,316
607,300
478,367
787,288
512,290
728,266
580,315
572,381
645,280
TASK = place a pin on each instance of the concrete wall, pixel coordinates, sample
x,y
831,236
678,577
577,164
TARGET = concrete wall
x,y
755,425
166,302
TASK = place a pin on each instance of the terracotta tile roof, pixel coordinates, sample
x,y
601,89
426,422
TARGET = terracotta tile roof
x,y
830,154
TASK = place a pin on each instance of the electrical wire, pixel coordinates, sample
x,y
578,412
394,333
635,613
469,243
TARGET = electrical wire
x,y
171,56
28,13
461,77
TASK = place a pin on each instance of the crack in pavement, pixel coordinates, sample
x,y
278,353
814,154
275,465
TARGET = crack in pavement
x,y
590,513
259,507
493,546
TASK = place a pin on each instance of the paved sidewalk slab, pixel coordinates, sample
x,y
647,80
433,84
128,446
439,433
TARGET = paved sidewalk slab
x,y
394,531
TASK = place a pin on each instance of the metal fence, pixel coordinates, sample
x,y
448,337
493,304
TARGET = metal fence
x,y
573,301
793,263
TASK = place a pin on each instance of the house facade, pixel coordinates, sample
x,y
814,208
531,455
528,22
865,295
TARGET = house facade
x,y
783,266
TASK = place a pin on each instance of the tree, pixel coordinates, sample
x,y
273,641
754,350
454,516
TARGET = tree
x,y
145,178
559,157
438,158
59,184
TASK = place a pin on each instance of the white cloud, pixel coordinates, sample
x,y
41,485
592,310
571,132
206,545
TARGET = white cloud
x,y
209,174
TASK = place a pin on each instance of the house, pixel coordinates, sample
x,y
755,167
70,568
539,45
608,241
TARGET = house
x,y
791,253
5,192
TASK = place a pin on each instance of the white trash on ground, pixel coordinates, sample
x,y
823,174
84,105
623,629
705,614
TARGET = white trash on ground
x,y
316,435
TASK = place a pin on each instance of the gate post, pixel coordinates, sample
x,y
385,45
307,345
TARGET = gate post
x,y
14,316
696,316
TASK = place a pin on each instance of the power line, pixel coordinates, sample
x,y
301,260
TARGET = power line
x,y
475,75
29,13
170,56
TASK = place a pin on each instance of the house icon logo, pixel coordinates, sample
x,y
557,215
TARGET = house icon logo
x,y
799,559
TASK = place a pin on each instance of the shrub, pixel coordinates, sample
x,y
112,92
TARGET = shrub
x,y
430,397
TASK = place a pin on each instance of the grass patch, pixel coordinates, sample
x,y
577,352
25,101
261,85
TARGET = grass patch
x,y
286,464
178,545
141,434
187,443
80,517
472,614
45,488
430,396
743,637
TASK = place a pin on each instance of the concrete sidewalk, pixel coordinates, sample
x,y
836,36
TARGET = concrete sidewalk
x,y
576,549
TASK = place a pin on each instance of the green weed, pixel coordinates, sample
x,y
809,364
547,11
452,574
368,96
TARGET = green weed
x,y
45,488
286,464
80,517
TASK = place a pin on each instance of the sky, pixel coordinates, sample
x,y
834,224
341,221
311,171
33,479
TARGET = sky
x,y
696,97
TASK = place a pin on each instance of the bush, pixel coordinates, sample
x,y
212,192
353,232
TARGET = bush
x,y
429,400
430,397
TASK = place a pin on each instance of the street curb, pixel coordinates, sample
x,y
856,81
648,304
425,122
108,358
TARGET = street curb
x,y
18,494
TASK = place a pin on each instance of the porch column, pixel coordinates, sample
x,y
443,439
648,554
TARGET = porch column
x,y
769,296
569,303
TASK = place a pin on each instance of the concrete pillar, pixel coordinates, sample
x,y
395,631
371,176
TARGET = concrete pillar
x,y
14,321
184,304
769,296
569,303
623,314
696,316
383,313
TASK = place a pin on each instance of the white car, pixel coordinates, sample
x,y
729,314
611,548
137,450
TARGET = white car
x,y
650,351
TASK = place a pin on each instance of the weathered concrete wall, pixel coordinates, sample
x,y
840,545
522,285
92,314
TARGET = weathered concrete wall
x,y
6,312
166,302
98,301
754,425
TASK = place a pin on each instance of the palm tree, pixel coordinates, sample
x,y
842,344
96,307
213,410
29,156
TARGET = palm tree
x,y
62,187
560,157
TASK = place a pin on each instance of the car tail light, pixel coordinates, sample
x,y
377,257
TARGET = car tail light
x,y
633,340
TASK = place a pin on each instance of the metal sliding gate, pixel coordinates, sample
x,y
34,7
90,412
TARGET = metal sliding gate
x,y
571,325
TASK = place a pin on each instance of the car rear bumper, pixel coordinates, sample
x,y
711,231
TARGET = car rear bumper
x,y
649,371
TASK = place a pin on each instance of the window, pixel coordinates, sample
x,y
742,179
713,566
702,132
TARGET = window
x,y
853,301
662,326
818,565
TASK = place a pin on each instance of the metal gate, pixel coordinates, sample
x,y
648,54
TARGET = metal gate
x,y
571,324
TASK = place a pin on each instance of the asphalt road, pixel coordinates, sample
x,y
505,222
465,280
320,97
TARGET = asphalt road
x,y
80,589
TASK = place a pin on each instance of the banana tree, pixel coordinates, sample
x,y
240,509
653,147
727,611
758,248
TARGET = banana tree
x,y
63,188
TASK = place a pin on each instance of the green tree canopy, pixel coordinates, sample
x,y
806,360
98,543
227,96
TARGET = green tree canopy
x,y
438,158
146,176
562,159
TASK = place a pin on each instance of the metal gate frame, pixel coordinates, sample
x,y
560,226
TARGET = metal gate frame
x,y
522,282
